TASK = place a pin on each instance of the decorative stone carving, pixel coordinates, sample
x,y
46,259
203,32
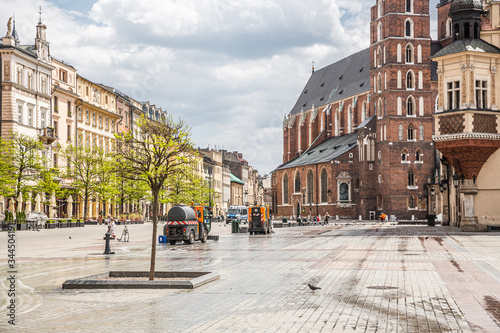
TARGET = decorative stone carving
x,y
464,67
440,71
9,27
493,69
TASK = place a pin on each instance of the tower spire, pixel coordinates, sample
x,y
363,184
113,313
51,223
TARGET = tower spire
x,y
313,66
40,12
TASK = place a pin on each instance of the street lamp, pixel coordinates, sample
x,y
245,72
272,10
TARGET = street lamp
x,y
456,180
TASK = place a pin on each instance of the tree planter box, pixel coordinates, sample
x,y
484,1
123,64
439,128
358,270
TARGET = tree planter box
x,y
62,225
139,222
72,224
80,224
91,222
50,225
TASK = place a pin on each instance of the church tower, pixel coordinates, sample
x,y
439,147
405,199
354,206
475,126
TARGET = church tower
x,y
41,44
401,97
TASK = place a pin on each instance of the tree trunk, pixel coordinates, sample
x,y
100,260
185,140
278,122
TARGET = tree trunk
x,y
85,205
153,241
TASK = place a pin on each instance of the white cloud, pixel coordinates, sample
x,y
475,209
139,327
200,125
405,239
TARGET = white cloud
x,y
231,68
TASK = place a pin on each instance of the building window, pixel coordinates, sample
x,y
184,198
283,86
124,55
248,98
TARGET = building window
x,y
409,6
410,80
418,156
42,119
80,114
411,178
411,133
100,121
30,81
93,119
410,106
87,114
404,156
107,123
324,186
379,155
297,183
400,132
55,160
421,132
379,82
30,117
112,126
344,192
481,94
310,189
69,133
285,189
55,129
20,114
379,179
56,104
363,112
409,28
379,32
411,201
20,76
69,109
453,93
409,54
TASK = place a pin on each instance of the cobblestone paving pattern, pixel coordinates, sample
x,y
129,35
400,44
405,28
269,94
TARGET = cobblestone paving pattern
x,y
373,278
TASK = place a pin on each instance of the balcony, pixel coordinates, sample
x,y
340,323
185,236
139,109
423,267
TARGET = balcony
x,y
47,135
467,138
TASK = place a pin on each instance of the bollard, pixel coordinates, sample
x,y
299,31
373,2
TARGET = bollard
x,y
107,250
336,217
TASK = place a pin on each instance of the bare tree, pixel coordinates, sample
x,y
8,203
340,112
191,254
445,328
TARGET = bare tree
x,y
153,154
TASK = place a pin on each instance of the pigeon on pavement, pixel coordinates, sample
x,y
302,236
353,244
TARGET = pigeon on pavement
x,y
313,288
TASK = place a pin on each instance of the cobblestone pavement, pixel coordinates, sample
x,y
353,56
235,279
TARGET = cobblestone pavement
x,y
373,278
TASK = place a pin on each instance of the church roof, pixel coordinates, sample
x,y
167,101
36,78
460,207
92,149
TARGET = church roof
x,y
342,79
325,151
467,45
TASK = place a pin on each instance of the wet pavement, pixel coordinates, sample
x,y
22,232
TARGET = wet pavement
x,y
373,278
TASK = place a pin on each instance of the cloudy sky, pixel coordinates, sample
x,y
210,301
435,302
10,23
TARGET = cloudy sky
x,y
231,68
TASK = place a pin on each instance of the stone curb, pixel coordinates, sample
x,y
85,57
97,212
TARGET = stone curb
x,y
98,281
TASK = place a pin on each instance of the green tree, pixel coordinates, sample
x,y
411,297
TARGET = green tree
x,y
156,152
27,160
85,167
7,169
186,187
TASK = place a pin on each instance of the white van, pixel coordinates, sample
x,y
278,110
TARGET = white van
x,y
237,213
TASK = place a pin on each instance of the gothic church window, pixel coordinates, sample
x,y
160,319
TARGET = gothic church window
x,y
380,109
410,106
324,186
310,189
400,132
418,156
411,133
379,82
400,80
363,112
408,28
404,155
409,54
285,189
399,53
379,32
410,80
409,6
297,182
411,202
411,178
421,132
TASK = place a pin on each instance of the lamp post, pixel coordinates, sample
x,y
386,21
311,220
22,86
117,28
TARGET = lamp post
x,y
456,183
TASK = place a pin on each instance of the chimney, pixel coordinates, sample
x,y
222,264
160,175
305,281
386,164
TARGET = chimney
x,y
240,155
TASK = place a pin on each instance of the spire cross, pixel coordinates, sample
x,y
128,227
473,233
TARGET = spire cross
x,y
40,12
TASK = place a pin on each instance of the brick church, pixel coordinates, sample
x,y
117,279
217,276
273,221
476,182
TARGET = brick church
x,y
358,141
